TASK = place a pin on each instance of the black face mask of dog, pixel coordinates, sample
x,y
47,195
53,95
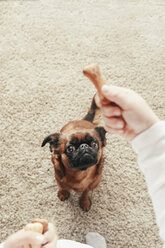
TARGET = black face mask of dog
x,y
82,154
81,148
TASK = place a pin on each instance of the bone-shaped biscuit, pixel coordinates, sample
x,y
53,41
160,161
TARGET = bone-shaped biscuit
x,y
93,73
43,222
38,225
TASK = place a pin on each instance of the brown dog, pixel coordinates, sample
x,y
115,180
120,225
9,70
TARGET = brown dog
x,y
77,155
77,151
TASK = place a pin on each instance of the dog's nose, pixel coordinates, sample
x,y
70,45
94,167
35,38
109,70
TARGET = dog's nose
x,y
84,146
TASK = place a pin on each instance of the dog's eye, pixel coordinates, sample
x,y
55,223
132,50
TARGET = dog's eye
x,y
94,144
70,149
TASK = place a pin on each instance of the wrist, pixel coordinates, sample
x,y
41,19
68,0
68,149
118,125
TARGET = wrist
x,y
145,125
149,138
150,123
154,123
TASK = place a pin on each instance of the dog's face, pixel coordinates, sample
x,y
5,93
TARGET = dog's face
x,y
82,150
79,149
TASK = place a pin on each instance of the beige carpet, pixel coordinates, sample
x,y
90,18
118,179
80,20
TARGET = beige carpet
x,y
44,47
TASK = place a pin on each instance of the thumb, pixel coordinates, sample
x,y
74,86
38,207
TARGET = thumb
x,y
119,95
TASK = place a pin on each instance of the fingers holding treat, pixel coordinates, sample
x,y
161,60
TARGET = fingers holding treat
x,y
115,123
111,111
34,227
43,222
47,231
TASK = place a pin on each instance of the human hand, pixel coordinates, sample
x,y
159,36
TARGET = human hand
x,y
22,237
129,116
51,237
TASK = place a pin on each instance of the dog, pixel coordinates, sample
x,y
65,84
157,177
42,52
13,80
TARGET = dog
x,y
77,156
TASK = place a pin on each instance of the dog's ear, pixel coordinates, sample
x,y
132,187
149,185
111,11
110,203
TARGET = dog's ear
x,y
101,133
53,140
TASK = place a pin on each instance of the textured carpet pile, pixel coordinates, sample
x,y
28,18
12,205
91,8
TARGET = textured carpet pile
x,y
44,45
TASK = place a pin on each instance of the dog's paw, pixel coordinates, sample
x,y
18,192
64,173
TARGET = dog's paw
x,y
85,204
63,195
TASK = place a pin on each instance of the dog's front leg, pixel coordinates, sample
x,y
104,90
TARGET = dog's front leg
x,y
59,169
63,192
85,201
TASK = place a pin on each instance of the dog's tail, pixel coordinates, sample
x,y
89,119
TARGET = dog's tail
x,y
93,114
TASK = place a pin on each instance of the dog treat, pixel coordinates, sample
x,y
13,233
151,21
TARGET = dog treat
x,y
93,73
43,222
38,225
